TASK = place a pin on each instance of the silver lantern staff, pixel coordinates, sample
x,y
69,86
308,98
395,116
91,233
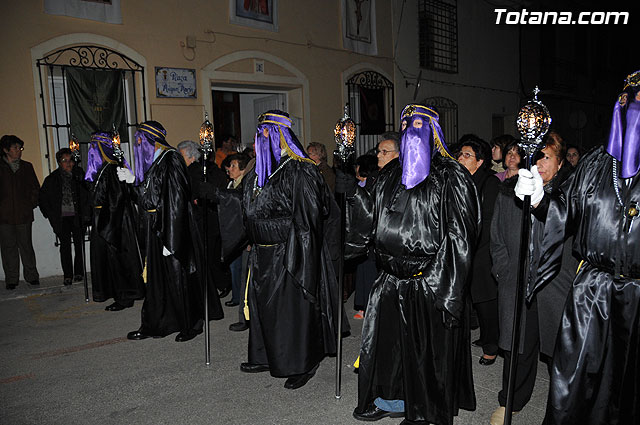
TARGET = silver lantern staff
x,y
74,145
533,123
345,136
206,146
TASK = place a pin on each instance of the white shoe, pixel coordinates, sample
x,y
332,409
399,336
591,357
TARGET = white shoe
x,y
497,417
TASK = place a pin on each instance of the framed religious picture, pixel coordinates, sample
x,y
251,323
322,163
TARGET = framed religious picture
x,y
260,14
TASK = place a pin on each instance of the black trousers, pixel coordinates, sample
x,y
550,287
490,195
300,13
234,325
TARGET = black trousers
x,y
16,244
70,228
527,365
489,326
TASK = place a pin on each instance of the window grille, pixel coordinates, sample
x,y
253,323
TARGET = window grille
x,y
438,34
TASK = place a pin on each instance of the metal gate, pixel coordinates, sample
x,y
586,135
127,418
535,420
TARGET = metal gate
x,y
371,107
52,70
448,111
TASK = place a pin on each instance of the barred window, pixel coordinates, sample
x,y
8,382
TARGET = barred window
x,y
438,32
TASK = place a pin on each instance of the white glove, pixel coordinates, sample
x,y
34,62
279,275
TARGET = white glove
x,y
165,251
530,183
124,175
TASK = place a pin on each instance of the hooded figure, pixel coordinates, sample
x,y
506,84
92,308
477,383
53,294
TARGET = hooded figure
x,y
595,373
116,267
174,300
291,292
422,219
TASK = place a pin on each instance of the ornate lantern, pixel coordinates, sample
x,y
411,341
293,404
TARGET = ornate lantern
x,y
345,136
533,123
207,137
117,151
74,145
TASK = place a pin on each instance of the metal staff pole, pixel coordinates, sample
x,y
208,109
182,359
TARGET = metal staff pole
x,y
74,145
345,134
206,142
533,123
119,156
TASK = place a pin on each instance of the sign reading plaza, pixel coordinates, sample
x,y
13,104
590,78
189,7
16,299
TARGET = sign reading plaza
x,y
525,17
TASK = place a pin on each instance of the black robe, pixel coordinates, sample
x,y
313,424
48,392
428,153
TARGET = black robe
x,y
174,300
596,366
116,264
415,336
218,271
292,289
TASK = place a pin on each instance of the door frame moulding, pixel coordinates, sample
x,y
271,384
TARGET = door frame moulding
x,y
213,78
67,40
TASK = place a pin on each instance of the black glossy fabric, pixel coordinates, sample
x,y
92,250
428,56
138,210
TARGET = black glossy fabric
x,y
292,292
596,369
174,298
415,337
505,253
116,264
218,271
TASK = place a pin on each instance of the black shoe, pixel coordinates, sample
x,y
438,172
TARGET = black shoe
x,y
477,343
231,303
115,307
296,381
487,362
253,368
67,281
224,292
34,282
137,335
11,286
238,327
78,278
374,413
187,336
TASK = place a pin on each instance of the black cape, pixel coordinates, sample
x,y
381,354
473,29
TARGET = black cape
x,y
415,337
595,370
292,289
116,263
174,300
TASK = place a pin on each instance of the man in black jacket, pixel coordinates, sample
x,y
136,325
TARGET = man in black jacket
x,y
18,197
63,200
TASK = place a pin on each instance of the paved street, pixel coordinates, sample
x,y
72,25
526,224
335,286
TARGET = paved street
x,y
65,361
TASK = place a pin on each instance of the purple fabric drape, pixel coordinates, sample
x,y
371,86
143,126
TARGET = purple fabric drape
x,y
100,150
417,143
624,137
150,134
268,149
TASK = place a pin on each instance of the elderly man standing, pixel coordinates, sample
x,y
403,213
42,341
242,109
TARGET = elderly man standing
x,y
64,200
422,219
18,197
388,149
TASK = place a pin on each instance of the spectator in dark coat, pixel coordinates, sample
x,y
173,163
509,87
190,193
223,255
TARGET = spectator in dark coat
x,y
64,201
18,197
540,318
318,153
475,155
366,271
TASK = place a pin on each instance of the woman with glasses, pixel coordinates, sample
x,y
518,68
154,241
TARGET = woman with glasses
x,y
474,155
